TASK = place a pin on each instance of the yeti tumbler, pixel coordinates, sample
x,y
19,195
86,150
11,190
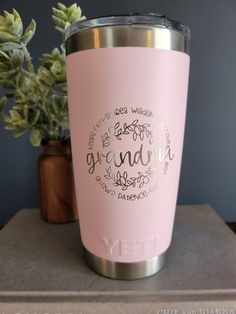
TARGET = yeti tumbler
x,y
127,88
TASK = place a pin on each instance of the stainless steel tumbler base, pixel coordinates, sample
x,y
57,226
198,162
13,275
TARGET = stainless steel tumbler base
x,y
120,270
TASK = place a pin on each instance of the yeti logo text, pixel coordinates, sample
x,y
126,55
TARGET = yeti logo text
x,y
129,248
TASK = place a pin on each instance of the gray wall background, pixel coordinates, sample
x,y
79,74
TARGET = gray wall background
x,y
208,172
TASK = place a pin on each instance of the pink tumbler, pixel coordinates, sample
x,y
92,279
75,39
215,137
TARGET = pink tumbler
x,y
127,87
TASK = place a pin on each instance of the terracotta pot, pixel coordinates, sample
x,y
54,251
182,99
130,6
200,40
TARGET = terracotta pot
x,y
57,193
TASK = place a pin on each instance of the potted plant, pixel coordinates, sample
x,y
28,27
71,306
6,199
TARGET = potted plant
x,y
35,101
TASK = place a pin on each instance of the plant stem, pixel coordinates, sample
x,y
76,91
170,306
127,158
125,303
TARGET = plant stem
x,y
28,59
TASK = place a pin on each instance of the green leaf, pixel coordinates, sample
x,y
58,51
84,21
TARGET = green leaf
x,y
67,25
54,105
35,117
57,69
15,115
9,46
9,17
9,127
3,102
7,84
6,56
45,76
7,119
29,33
26,111
56,53
23,124
61,30
59,22
17,27
55,108
19,132
61,6
73,7
35,137
17,58
59,13
5,37
75,14
8,74
3,28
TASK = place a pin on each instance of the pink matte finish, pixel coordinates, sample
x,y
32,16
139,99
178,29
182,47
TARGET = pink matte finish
x,y
127,203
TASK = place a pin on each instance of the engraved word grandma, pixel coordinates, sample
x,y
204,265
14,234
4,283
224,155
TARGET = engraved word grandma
x,y
128,158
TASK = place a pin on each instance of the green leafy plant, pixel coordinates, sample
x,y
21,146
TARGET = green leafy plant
x,y
38,96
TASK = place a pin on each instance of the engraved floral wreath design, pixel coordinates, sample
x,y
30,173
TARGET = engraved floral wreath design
x,y
137,130
125,182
